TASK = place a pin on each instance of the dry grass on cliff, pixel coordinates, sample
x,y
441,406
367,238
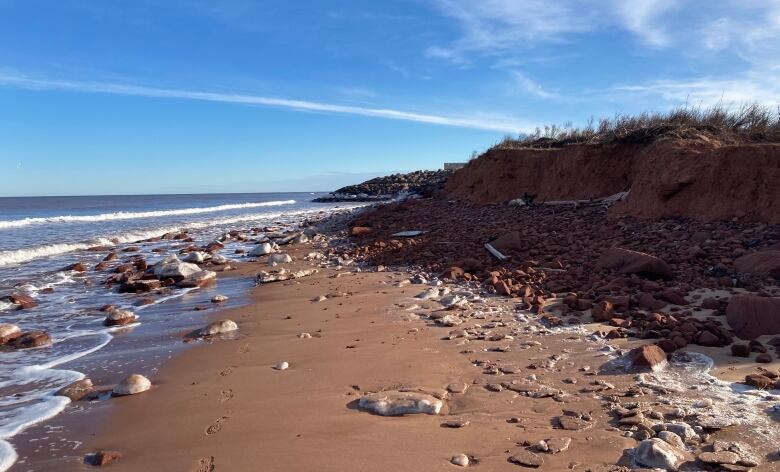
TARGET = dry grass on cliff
x,y
748,124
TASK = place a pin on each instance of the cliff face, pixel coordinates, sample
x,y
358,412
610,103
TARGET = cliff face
x,y
668,178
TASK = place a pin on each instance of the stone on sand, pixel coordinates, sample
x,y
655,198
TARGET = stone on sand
x,y
218,327
195,257
527,459
657,453
625,261
461,460
261,250
219,259
279,258
649,356
76,390
101,458
131,385
120,318
751,316
282,366
396,403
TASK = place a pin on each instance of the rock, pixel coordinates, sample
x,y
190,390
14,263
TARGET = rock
x,y
720,457
764,358
219,298
625,261
759,381
672,438
509,242
760,264
684,430
31,339
648,356
556,445
573,423
360,230
76,390
449,320
282,275
21,301
527,459
218,327
195,257
706,338
102,458
120,318
397,403
219,259
602,311
282,366
279,258
457,387
456,423
77,267
304,336
9,332
131,385
659,454
261,250
740,350
198,279
172,267
142,285
461,460
751,316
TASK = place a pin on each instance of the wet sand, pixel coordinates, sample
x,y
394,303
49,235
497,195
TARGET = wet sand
x,y
221,406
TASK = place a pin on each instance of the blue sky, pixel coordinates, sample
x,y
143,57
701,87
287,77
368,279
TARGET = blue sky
x,y
110,96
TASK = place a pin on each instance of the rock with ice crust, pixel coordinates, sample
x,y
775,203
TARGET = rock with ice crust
x,y
9,332
659,454
172,267
261,250
280,258
131,385
120,318
395,403
218,327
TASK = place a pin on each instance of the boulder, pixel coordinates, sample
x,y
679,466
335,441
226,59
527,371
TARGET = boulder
x,y
659,454
625,261
397,403
20,300
649,356
120,318
261,250
198,279
196,257
279,258
218,327
30,339
751,316
761,264
76,390
132,384
740,350
602,311
219,259
9,332
77,267
172,267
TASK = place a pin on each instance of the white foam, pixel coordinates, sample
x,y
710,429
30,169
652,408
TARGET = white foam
x,y
7,456
123,215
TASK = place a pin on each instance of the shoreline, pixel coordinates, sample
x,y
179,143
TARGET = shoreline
x,y
222,406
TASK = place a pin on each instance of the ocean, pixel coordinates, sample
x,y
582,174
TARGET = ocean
x,y
39,236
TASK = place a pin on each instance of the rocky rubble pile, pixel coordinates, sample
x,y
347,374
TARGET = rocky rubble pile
x,y
422,182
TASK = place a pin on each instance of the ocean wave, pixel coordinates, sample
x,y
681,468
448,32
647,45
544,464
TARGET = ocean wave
x,y
122,215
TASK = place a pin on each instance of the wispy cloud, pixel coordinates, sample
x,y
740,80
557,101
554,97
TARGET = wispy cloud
x,y
643,17
532,88
478,121
708,91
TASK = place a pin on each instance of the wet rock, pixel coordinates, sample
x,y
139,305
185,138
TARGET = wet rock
x,y
625,261
131,385
142,285
9,332
573,423
751,316
219,298
102,458
31,339
759,381
21,301
279,258
261,250
658,453
120,318
218,327
172,267
527,459
197,279
397,403
77,267
649,356
360,230
76,390
461,460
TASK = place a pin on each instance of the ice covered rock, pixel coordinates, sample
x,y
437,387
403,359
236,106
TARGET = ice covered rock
x,y
132,384
197,279
659,454
196,257
120,318
282,366
218,327
9,332
396,403
172,267
219,298
281,275
279,258
461,460
219,259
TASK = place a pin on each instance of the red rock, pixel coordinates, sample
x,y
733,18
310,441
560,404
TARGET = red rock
x,y
453,273
102,266
360,230
667,345
706,338
759,381
20,300
740,350
764,358
751,316
761,264
509,242
502,288
77,267
602,311
31,339
647,356
110,257
649,302
625,261
672,297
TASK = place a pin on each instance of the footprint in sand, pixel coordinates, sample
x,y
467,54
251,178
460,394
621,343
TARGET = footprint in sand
x,y
205,464
216,426
225,395
226,372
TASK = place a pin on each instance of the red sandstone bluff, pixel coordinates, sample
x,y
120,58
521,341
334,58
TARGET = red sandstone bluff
x,y
698,178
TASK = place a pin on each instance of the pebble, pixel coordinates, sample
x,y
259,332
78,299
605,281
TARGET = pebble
x,y
527,459
461,460
219,298
282,366
132,384
304,336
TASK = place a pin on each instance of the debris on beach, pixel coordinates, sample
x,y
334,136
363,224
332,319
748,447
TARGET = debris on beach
x,y
399,403
131,385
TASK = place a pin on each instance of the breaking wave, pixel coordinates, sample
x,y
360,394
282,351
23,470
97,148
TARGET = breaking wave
x,y
123,215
